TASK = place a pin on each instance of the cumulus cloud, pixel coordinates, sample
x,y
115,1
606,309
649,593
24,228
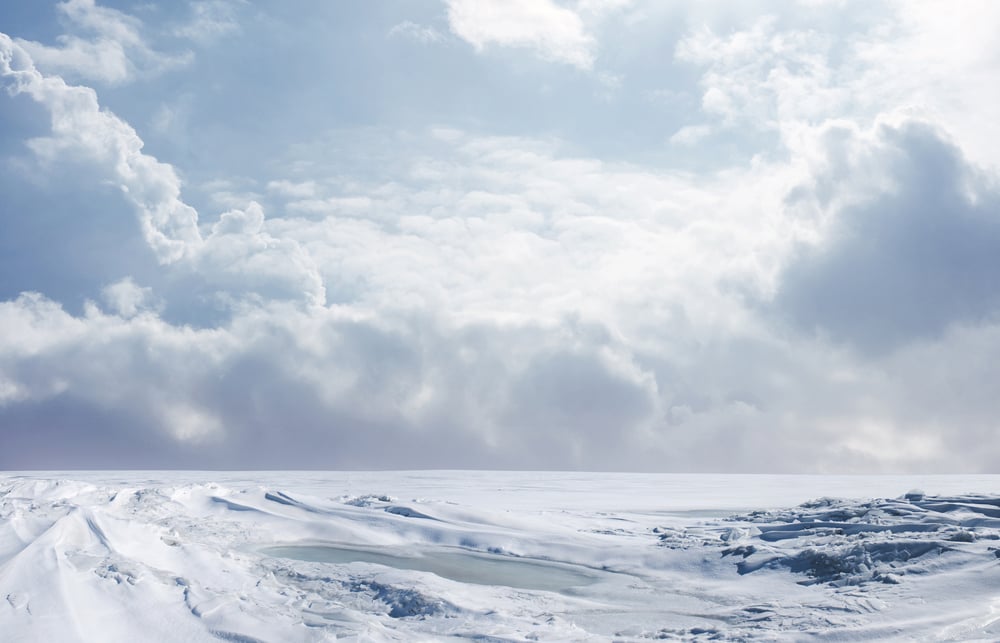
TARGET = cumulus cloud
x,y
81,129
240,256
553,32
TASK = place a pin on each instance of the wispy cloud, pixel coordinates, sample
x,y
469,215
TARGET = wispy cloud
x,y
210,20
113,52
417,33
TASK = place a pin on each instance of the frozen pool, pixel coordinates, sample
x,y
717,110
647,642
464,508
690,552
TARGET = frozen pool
x,y
462,565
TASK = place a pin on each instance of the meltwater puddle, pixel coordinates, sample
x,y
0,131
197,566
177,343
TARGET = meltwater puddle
x,y
464,567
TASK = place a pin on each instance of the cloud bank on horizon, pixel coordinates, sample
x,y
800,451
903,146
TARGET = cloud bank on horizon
x,y
590,234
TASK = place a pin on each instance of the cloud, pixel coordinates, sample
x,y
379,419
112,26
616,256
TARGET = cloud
x,y
690,134
241,257
304,189
82,130
763,76
601,7
452,323
238,243
210,20
791,69
419,294
103,60
579,402
555,33
417,33
939,61
127,298
115,53
283,386
904,262
501,227
892,215
350,389
110,361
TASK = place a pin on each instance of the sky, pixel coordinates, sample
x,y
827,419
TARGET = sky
x,y
636,235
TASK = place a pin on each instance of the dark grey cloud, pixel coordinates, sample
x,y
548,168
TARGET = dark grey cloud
x,y
574,403
921,255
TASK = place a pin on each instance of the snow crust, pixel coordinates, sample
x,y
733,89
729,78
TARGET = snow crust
x,y
403,556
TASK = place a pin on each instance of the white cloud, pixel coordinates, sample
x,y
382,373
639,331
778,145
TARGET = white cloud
x,y
765,77
104,21
928,59
211,20
938,60
241,256
690,134
301,190
417,33
81,129
554,32
601,7
510,228
127,298
114,53
101,60
230,194
238,245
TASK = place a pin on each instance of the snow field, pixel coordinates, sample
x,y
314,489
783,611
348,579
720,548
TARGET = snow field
x,y
293,556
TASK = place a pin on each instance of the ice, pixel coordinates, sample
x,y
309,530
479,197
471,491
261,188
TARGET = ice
x,y
292,556
461,566
846,542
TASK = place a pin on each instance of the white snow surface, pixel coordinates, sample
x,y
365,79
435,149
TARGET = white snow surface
x,y
496,556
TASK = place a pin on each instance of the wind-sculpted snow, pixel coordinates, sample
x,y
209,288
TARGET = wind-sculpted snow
x,y
492,556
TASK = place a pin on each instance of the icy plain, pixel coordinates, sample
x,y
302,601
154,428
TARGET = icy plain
x,y
409,556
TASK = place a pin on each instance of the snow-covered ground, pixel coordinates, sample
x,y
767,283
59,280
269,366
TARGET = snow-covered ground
x,y
201,556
